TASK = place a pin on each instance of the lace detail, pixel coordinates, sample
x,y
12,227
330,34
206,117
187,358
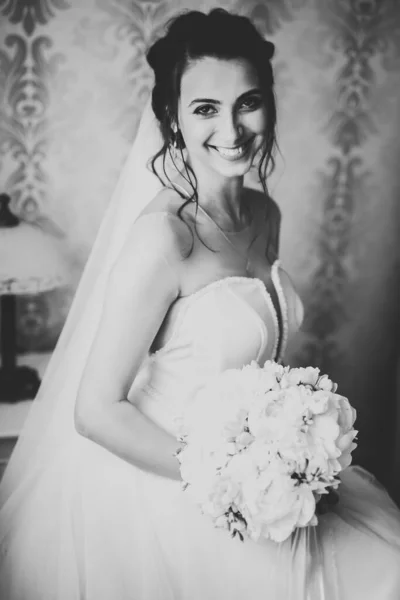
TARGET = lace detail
x,y
284,310
273,312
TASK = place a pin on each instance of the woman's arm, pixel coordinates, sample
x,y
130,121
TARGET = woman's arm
x,y
141,287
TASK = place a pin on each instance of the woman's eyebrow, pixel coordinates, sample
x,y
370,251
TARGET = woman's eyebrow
x,y
251,92
214,101
206,100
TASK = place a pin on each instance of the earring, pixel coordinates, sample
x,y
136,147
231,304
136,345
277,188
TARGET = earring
x,y
174,128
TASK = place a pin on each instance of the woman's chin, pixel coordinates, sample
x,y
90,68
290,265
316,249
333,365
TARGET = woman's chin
x,y
233,169
212,164
230,166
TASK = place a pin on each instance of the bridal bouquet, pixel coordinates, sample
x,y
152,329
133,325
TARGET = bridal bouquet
x,y
260,447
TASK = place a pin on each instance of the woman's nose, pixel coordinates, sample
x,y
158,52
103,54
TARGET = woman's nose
x,y
231,129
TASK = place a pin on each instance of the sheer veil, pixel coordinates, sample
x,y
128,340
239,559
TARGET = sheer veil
x,y
49,427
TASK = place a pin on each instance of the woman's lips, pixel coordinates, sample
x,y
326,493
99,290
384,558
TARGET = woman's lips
x,y
234,153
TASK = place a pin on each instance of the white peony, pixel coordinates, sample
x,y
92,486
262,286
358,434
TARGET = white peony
x,y
256,381
261,453
242,466
346,445
243,440
318,402
300,375
326,384
272,368
347,414
264,418
262,445
275,506
223,494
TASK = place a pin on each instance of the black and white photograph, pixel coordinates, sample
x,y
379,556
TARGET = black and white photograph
x,y
199,300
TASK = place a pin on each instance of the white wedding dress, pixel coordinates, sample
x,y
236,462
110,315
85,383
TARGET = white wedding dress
x,y
98,528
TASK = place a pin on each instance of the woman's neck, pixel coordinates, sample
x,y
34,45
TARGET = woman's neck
x,y
223,201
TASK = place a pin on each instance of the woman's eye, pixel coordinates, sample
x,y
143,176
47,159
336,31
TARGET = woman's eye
x,y
252,103
205,110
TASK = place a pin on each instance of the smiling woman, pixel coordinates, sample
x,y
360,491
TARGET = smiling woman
x,y
179,288
224,131
214,99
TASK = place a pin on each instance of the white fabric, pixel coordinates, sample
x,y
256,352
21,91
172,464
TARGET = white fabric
x,y
78,523
49,425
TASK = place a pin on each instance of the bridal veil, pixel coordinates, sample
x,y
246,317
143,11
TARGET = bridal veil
x,y
50,423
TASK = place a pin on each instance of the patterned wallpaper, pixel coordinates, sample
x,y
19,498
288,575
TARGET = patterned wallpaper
x,y
73,81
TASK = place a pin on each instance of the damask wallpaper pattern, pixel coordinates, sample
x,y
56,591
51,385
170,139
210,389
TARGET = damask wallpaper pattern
x,y
73,81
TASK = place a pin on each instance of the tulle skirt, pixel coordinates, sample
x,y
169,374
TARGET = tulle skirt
x,y
96,528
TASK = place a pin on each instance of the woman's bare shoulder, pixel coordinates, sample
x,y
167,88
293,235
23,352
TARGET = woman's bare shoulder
x,y
167,200
161,216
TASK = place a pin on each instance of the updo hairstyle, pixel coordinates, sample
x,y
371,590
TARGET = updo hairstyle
x,y
194,35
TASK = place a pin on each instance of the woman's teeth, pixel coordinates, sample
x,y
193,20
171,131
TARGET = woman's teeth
x,y
231,152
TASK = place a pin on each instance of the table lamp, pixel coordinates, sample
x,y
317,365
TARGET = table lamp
x,y
31,261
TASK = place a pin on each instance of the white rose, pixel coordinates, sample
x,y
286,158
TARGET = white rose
x,y
275,369
346,446
243,440
301,513
262,454
221,522
318,402
256,381
254,490
324,383
319,462
294,401
221,455
198,463
347,414
234,425
278,504
258,411
300,375
306,500
324,431
268,422
290,378
221,497
238,526
241,467
310,376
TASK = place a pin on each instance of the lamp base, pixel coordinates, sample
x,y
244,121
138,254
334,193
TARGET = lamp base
x,y
18,383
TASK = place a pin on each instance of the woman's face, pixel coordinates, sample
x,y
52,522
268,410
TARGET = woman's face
x,y
222,116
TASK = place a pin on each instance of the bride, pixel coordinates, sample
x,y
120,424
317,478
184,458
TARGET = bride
x,y
183,282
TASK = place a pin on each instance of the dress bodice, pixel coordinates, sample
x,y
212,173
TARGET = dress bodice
x,y
225,324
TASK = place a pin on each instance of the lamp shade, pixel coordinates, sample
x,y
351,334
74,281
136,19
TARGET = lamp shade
x,y
31,260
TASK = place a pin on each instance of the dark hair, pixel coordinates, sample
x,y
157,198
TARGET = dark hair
x,y
194,35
